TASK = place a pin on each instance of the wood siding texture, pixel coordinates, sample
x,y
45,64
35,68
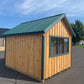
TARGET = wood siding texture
x,y
23,53
56,64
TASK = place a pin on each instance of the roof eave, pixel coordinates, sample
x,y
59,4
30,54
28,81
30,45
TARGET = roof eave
x,y
70,26
63,16
45,30
30,33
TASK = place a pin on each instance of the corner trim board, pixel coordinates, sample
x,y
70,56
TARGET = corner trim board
x,y
43,57
71,52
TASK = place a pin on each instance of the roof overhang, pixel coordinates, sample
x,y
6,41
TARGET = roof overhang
x,y
62,16
70,26
30,33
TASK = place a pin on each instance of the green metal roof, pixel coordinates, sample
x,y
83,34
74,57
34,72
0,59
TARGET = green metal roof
x,y
39,26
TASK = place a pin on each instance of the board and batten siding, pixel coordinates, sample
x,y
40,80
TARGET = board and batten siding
x,y
56,64
23,54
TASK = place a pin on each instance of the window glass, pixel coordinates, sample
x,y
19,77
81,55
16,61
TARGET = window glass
x,y
59,45
53,46
66,45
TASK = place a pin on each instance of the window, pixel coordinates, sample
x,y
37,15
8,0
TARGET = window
x,y
53,46
58,45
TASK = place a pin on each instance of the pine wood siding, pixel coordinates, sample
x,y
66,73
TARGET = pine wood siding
x,y
56,64
23,53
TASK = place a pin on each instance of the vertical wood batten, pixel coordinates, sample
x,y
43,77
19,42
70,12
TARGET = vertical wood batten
x,y
71,52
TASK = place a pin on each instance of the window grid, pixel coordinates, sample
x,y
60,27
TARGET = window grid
x,y
61,48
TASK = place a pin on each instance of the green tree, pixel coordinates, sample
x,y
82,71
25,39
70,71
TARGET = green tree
x,y
78,27
77,38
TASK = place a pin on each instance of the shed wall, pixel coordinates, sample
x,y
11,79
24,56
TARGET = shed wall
x,y
56,64
23,53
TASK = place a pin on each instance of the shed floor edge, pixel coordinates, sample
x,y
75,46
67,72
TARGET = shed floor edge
x,y
25,74
58,73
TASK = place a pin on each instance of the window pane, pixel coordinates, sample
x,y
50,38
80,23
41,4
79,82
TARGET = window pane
x,y
60,45
66,45
53,46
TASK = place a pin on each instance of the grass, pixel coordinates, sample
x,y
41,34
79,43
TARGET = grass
x,y
78,46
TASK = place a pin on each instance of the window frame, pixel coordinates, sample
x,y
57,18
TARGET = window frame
x,y
57,46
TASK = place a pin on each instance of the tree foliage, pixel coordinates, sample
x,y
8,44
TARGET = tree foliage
x,y
78,28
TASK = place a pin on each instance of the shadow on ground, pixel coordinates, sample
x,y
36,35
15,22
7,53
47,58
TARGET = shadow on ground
x,y
11,74
75,75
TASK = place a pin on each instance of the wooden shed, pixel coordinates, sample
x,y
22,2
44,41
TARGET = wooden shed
x,y
40,48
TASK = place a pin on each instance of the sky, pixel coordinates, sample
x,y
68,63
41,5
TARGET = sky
x,y
14,12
